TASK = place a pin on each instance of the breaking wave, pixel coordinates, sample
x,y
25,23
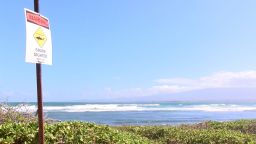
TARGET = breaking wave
x,y
141,107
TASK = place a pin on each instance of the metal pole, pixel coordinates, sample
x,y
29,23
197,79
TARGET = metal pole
x,y
40,104
39,92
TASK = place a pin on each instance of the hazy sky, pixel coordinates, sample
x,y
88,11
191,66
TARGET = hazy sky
x,y
116,49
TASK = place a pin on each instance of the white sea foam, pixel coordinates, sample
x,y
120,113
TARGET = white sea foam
x,y
25,108
142,107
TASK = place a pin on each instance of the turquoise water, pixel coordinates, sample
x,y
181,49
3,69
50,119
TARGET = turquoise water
x,y
145,113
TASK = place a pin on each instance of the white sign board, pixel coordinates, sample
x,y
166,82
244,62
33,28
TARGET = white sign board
x,y
38,38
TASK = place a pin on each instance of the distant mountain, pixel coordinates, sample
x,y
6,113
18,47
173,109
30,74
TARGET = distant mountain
x,y
213,95
205,95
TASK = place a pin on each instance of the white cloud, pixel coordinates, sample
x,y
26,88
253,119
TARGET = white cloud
x,y
230,79
175,81
245,79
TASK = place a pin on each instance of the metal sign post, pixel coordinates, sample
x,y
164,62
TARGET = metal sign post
x,y
39,51
40,104
39,92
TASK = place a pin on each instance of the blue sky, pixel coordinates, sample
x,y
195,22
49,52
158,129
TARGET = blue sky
x,y
114,50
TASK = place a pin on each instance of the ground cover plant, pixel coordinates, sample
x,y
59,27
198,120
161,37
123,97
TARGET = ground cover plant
x,y
191,135
13,113
67,133
82,132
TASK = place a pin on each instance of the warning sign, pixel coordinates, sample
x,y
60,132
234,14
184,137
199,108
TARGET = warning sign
x,y
38,38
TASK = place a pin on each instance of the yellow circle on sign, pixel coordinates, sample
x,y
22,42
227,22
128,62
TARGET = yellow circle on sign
x,y
40,37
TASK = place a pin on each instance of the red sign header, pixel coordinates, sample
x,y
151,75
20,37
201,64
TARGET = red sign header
x,y
37,19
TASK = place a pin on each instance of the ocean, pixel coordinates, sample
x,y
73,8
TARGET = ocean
x,y
171,113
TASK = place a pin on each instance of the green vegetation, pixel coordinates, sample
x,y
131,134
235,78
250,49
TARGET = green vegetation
x,y
67,133
19,128
191,134
11,114
237,132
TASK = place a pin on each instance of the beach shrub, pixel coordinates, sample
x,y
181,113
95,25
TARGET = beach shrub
x,y
67,133
12,114
236,132
181,135
192,136
244,126
81,132
18,133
